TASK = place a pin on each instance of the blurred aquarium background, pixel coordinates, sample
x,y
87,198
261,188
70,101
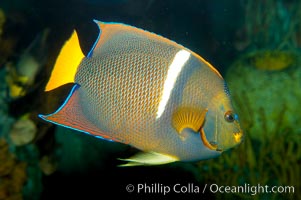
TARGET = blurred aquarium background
x,y
255,44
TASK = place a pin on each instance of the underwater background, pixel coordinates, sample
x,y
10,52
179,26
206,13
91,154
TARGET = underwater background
x,y
255,45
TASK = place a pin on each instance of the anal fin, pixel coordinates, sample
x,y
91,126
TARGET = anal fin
x,y
70,115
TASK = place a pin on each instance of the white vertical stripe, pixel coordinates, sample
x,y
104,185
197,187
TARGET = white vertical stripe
x,y
173,72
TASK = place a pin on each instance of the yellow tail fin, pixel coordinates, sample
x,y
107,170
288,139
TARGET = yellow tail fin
x,y
66,64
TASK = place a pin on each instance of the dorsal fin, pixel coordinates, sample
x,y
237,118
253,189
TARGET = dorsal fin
x,y
66,64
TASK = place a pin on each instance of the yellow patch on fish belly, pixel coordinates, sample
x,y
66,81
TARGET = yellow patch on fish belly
x,y
188,118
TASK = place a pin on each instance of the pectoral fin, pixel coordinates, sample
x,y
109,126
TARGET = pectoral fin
x,y
186,117
148,158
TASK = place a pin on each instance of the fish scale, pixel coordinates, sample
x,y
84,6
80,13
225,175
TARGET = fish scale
x,y
125,86
142,89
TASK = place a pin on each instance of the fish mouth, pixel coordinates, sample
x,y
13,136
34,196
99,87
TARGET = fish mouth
x,y
238,137
211,145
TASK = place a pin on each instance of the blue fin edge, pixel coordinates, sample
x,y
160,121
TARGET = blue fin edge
x,y
100,31
96,41
74,88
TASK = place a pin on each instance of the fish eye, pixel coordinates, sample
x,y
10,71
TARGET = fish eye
x,y
229,116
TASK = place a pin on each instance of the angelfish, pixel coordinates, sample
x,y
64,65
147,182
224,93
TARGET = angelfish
x,y
141,89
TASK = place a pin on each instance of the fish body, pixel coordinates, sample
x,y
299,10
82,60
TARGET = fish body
x,y
141,89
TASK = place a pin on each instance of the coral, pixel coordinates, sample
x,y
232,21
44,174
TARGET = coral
x,y
47,165
274,162
273,24
7,159
21,74
33,187
266,90
16,83
272,60
23,131
12,174
266,95
266,101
